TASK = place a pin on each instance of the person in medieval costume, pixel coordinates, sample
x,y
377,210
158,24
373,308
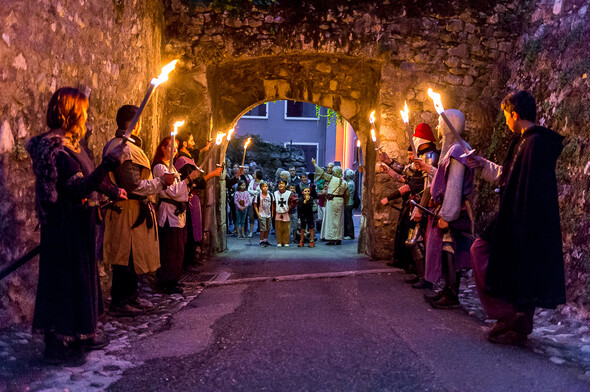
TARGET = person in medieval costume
x,y
336,199
448,236
131,230
518,261
409,244
185,165
69,301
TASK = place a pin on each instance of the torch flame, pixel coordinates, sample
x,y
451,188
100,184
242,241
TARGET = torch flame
x,y
405,114
177,125
372,117
219,138
247,143
164,75
358,143
373,136
438,106
229,133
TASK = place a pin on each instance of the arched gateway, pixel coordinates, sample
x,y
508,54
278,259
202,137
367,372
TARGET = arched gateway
x,y
347,85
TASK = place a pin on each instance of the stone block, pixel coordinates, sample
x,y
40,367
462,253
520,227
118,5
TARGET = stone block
x,y
453,80
325,68
454,25
505,47
6,138
452,62
468,80
470,28
461,51
458,71
20,62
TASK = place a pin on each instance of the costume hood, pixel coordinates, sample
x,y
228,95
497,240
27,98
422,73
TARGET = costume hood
x,y
456,118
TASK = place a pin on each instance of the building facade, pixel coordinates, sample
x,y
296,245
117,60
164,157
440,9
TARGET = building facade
x,y
305,126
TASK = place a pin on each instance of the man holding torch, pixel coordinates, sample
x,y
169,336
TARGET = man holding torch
x,y
130,239
518,261
185,164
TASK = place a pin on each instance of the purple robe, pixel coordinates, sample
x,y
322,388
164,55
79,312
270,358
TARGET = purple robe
x,y
434,236
194,203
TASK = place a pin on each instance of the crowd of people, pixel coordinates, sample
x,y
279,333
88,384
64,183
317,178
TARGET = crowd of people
x,y
295,207
148,218
147,215
517,261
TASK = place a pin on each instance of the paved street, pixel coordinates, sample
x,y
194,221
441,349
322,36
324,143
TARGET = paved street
x,y
296,319
366,332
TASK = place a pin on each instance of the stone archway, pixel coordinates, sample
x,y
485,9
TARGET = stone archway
x,y
347,85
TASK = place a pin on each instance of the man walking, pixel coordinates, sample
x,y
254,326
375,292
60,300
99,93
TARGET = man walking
x,y
518,261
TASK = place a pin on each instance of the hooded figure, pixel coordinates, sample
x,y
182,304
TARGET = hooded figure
x,y
336,200
448,241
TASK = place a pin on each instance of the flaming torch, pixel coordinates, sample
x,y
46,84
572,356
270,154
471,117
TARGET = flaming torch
x,y
245,147
441,111
372,118
373,136
374,139
153,84
406,119
359,152
225,143
173,134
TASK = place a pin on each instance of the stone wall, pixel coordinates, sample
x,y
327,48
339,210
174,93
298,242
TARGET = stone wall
x,y
350,56
110,50
551,60
317,50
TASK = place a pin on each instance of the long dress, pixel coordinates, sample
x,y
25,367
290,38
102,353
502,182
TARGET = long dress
x,y
69,299
333,222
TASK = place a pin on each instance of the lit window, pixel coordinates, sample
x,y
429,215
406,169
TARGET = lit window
x,y
260,111
300,111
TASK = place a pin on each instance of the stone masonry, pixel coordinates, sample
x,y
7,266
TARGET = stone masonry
x,y
350,56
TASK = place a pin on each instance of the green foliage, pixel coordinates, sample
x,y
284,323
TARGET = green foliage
x,y
573,38
511,20
573,112
331,115
498,141
577,69
531,50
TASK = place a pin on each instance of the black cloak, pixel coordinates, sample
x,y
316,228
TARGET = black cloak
x,y
526,257
68,301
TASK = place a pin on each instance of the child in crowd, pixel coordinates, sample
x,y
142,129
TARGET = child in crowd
x,y
293,213
264,206
242,201
254,190
284,201
306,220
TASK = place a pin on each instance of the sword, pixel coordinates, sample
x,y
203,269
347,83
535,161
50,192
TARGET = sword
x,y
427,211
423,209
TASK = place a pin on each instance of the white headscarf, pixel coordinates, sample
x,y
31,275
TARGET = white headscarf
x,y
456,118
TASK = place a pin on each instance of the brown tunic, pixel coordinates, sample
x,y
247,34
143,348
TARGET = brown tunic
x,y
120,239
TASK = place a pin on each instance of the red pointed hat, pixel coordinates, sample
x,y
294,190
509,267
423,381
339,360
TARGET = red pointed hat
x,y
423,131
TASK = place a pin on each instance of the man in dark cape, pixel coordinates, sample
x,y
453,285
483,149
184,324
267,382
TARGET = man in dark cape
x,y
525,267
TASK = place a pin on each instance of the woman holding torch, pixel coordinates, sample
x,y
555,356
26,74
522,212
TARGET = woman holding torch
x,y
171,216
69,299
